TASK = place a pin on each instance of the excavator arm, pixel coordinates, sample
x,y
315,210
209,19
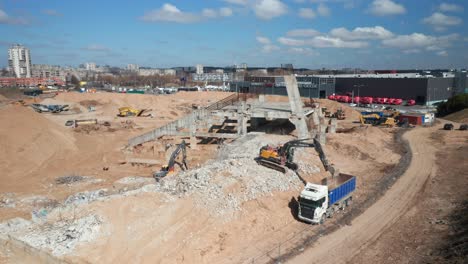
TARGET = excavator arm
x,y
181,148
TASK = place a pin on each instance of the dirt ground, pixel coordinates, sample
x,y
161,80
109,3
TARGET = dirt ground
x,y
459,117
421,219
434,228
182,223
37,148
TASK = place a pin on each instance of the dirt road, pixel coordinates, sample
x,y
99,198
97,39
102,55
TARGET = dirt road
x,y
342,245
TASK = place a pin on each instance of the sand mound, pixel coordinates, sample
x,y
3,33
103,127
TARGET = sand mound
x,y
459,117
109,103
332,106
28,139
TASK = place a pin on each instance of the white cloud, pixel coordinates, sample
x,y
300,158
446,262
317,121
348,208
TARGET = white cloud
x,y
292,42
6,19
237,2
386,8
170,13
446,7
442,53
322,42
376,32
323,10
308,13
418,40
269,48
209,13
96,47
263,40
440,21
330,42
225,12
303,51
412,51
268,9
303,33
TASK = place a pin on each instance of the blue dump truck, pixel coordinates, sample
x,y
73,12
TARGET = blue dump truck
x,y
317,202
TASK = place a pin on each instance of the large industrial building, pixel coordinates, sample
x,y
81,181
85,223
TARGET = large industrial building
x,y
309,86
424,89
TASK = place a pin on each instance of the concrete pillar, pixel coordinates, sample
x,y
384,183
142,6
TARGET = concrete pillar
x,y
261,98
193,138
315,118
297,113
321,135
332,127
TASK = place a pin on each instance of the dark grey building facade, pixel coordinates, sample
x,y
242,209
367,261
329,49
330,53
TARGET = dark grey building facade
x,y
309,86
425,90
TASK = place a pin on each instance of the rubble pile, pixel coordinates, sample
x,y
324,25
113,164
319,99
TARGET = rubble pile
x,y
222,185
60,237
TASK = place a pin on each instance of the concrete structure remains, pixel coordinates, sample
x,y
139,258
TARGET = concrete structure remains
x,y
19,61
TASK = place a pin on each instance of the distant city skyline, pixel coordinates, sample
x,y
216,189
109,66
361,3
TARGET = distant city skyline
x,y
367,34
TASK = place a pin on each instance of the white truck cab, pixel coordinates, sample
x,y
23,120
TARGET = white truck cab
x,y
313,203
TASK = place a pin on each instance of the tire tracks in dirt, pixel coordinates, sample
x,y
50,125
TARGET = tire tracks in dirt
x,y
341,245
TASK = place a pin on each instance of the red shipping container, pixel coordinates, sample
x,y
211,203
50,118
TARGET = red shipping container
x,y
411,119
390,100
357,99
331,97
398,101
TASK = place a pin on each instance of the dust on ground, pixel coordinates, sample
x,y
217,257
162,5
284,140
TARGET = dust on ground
x,y
459,117
434,229
226,208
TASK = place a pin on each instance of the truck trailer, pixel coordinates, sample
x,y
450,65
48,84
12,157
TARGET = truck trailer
x,y
317,202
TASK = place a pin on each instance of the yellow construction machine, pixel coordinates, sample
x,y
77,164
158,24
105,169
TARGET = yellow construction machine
x,y
130,111
377,119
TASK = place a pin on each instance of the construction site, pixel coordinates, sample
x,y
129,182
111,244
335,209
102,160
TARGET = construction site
x,y
222,177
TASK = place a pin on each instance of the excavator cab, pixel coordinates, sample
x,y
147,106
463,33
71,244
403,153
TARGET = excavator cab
x,y
281,158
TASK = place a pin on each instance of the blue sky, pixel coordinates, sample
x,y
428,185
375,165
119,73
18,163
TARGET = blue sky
x,y
372,34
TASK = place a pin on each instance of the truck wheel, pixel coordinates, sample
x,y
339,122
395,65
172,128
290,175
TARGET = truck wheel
x,y
322,219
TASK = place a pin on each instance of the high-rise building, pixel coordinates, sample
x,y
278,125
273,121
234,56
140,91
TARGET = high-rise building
x,y
19,61
90,66
133,67
199,69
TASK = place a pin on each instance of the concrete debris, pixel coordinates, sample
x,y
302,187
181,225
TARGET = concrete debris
x,y
14,225
135,180
222,185
69,179
60,237
85,197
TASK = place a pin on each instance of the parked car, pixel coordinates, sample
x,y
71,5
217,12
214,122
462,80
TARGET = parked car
x,y
464,127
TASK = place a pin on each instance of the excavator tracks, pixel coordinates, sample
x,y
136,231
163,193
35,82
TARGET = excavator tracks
x,y
271,165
